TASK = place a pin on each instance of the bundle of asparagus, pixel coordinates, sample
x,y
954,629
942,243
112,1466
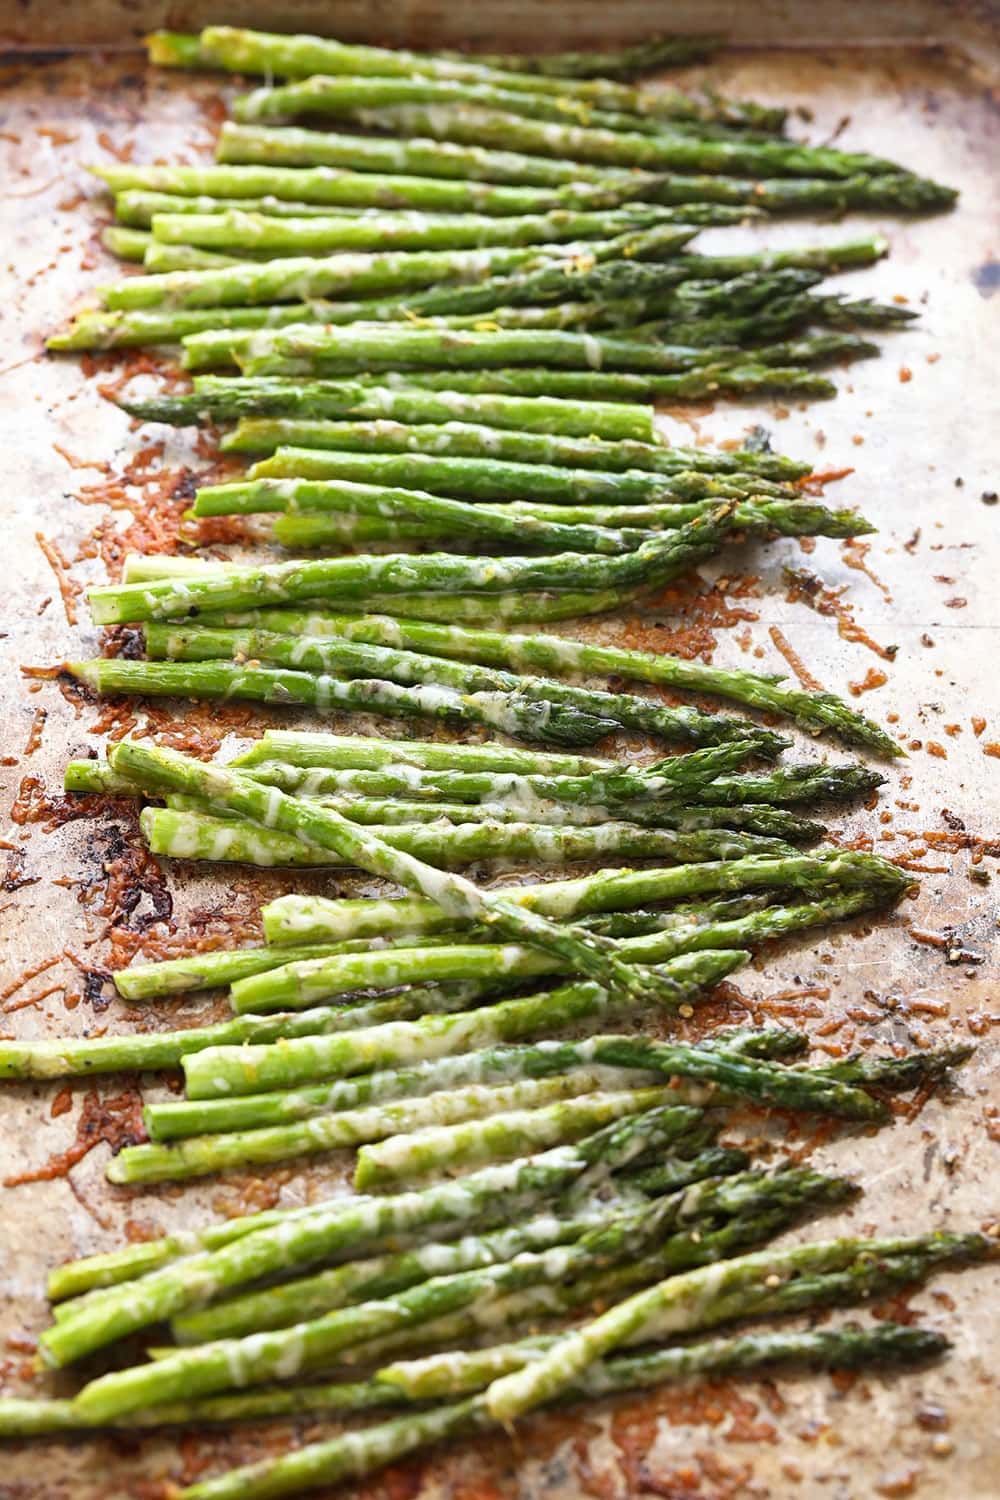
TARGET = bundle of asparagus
x,y
447,329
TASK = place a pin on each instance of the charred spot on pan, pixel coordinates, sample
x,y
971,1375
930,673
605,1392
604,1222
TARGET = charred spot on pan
x,y
986,278
97,989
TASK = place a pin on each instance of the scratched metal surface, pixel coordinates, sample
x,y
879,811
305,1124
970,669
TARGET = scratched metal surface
x,y
919,426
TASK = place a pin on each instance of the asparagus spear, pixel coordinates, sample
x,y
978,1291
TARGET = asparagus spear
x,y
511,713
192,833
66,1057
207,1368
361,1454
457,896
290,1243
652,564
278,187
296,918
243,230
310,405
137,206
529,1125
469,437
746,379
242,51
294,147
676,1305
305,982
299,767
356,1281
22,1418
358,751
344,658
329,349
341,1458
850,1347
476,123
361,1280
357,99
660,52
250,1069
440,1148
816,712
303,277
584,528
95,776
900,191
127,244
224,399
482,477
177,1119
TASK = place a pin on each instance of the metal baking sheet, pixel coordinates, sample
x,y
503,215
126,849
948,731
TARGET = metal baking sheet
x,y
916,608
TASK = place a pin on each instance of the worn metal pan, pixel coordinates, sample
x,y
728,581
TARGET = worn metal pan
x,y
910,624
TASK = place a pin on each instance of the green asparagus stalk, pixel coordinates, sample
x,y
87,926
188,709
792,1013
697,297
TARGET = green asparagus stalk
x,y
350,99
661,52
250,1070
96,776
676,1305
204,971
67,1057
360,1455
242,51
840,1348
299,766
288,411
902,192
182,833
305,982
293,147
295,919
338,657
583,529
127,244
834,1349
526,1120
288,1244
468,438
516,714
311,1296
224,399
480,477
477,123
322,349
137,206
176,1119
158,259
514,1106
207,1368
816,712
280,190
653,564
21,1418
359,752
167,770
356,1281
746,379
243,230
438,1149
304,277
